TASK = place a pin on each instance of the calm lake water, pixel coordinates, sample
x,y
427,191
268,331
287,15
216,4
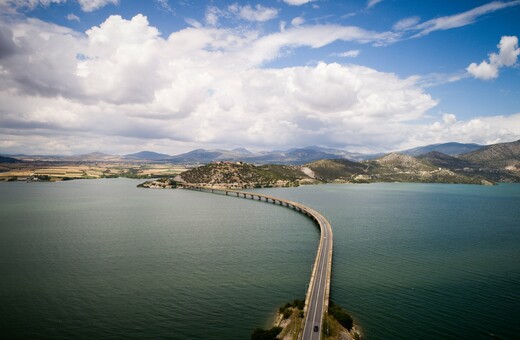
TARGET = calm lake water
x,y
104,259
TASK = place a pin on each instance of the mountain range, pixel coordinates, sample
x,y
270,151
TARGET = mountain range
x,y
476,167
450,155
294,156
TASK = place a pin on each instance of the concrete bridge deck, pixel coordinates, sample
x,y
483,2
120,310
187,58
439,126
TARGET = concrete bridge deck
x,y
317,298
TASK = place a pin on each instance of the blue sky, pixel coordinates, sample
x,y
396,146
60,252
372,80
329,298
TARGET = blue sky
x,y
169,76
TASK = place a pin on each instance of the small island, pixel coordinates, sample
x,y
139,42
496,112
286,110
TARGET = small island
x,y
338,324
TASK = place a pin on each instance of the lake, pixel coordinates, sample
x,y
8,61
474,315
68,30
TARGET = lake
x,y
105,259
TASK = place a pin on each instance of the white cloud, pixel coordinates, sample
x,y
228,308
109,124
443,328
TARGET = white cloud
x,y
257,13
449,118
212,15
92,5
72,17
481,130
461,19
122,87
297,21
14,5
164,5
297,2
86,5
484,70
348,54
507,56
372,3
406,23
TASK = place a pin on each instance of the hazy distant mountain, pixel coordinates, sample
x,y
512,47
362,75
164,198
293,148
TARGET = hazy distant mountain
x,y
90,157
496,155
147,155
291,156
196,156
242,151
451,149
299,156
4,159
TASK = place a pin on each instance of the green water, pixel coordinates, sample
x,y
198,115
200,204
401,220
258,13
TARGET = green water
x,y
104,259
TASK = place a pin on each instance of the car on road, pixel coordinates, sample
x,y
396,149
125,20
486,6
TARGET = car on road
x,y
316,328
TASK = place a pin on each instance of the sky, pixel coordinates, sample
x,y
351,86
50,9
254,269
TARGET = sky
x,y
121,76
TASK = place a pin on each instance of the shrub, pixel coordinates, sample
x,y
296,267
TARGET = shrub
x,y
266,334
341,316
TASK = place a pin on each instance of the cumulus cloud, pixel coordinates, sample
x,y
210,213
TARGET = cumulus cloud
x,y
256,13
212,15
481,130
123,86
507,56
7,45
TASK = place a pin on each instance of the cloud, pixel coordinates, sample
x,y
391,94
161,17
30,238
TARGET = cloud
x,y
122,87
164,5
72,17
212,15
269,47
7,45
406,23
297,21
92,5
372,3
348,54
257,13
507,56
121,79
297,2
86,5
460,19
481,130
11,6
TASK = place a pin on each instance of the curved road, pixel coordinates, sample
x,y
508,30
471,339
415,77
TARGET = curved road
x,y
317,298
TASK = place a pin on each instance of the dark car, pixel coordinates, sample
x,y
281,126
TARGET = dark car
x,y
316,328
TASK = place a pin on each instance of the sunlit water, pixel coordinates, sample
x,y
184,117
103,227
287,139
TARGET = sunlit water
x,y
104,259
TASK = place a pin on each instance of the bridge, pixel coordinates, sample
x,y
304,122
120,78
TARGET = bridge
x,y
317,298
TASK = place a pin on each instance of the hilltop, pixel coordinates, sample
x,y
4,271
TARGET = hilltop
x,y
451,149
329,170
4,159
403,168
503,155
242,175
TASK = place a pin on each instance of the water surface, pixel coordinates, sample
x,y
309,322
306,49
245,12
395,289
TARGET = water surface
x,y
104,259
